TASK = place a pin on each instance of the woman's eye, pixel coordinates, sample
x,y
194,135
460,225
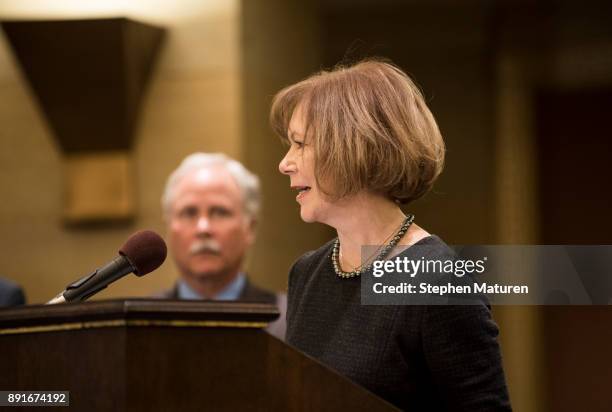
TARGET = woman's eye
x,y
299,144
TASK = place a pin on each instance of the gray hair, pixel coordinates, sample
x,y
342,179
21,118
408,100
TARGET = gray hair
x,y
247,181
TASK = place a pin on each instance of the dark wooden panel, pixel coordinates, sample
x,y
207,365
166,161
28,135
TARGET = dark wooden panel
x,y
159,368
88,75
575,147
578,358
575,143
36,315
88,363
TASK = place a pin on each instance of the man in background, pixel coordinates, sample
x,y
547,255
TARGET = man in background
x,y
210,206
10,293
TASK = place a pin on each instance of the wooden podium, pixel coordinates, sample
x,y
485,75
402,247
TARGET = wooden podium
x,y
163,355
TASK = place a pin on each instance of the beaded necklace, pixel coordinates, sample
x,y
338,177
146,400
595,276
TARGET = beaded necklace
x,y
384,252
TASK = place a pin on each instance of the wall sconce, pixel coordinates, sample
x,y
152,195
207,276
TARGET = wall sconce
x,y
89,77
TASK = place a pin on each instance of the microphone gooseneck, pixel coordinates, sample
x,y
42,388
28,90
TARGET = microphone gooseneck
x,y
142,253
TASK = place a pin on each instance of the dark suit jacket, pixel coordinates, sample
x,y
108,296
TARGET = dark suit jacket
x,y
10,293
252,293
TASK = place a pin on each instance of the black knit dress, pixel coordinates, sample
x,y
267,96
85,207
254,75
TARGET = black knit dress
x,y
420,358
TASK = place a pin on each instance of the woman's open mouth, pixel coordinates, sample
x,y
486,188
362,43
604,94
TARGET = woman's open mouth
x,y
302,190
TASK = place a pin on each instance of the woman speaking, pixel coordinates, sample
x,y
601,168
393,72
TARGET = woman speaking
x,y
362,141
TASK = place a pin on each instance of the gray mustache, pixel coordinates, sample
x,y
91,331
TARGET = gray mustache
x,y
205,247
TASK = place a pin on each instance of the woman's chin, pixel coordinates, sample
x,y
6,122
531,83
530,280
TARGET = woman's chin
x,y
307,216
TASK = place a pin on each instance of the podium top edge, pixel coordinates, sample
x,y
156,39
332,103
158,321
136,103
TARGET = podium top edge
x,y
138,309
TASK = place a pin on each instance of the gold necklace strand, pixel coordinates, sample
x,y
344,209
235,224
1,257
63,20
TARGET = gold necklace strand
x,y
386,250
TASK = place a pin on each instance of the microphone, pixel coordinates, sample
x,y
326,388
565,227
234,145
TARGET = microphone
x,y
143,252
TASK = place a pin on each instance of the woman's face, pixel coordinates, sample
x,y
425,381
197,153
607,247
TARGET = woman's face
x,y
298,164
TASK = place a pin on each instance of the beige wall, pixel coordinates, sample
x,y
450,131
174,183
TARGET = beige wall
x,y
517,223
281,47
193,103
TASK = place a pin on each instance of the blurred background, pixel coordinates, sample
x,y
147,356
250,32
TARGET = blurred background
x,y
522,91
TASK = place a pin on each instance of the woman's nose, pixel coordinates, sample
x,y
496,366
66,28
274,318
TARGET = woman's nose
x,y
287,165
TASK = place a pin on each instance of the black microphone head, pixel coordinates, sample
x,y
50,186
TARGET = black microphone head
x,y
145,250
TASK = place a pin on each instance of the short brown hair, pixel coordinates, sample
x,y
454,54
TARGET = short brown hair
x,y
370,129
